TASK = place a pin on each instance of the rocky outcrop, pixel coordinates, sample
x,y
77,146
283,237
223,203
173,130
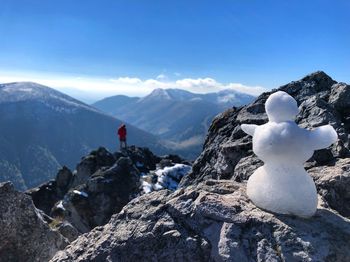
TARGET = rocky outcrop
x,y
212,221
102,184
228,151
333,184
24,235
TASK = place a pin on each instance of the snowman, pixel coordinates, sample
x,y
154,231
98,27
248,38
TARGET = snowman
x,y
282,185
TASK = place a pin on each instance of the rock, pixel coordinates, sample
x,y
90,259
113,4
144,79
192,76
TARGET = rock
x,y
24,235
333,184
105,193
68,231
90,164
211,221
227,150
63,179
47,195
143,158
100,186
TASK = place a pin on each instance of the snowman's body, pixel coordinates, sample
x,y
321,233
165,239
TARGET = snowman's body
x,y
282,184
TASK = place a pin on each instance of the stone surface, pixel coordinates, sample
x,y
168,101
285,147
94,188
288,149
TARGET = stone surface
x,y
102,184
24,235
333,184
212,221
228,150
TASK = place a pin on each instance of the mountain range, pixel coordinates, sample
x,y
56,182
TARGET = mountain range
x,y
43,129
179,117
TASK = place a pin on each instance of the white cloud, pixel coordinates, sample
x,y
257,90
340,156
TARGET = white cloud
x,y
161,76
127,80
97,88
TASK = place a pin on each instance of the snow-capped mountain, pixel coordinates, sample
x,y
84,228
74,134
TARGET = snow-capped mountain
x,y
42,129
174,114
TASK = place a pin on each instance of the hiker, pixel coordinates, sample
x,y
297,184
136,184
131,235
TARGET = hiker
x,y
122,136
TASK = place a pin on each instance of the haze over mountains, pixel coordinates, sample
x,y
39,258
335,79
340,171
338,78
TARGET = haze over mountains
x,y
178,116
43,129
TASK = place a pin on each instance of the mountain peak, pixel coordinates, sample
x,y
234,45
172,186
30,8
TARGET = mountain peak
x,y
319,77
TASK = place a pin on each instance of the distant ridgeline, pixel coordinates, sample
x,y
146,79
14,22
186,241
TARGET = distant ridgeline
x,y
180,117
43,129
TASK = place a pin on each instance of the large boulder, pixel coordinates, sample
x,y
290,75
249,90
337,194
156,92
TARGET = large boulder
x,y
24,234
212,221
227,152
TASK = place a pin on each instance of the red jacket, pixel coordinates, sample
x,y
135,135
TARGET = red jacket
x,y
122,133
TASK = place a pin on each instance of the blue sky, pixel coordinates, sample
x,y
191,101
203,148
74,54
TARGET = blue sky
x,y
105,47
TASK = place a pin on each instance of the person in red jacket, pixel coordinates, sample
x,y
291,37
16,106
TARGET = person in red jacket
x,y
122,136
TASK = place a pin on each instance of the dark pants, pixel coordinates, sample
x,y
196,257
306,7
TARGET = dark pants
x,y
122,144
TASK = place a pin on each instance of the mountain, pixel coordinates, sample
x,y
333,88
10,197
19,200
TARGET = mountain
x,y
173,114
210,219
43,129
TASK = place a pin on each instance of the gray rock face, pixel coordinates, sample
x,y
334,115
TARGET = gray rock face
x,y
24,235
212,221
102,184
333,184
228,151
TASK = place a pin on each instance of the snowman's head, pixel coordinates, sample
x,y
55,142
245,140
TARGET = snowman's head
x,y
281,107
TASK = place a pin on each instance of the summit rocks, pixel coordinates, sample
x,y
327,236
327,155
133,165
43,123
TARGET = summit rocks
x,y
24,233
102,184
211,221
228,154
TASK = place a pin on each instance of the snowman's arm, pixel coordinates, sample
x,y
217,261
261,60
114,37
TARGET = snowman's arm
x,y
249,129
322,137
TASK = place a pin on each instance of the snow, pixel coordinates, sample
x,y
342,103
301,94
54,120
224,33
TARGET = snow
x,y
81,193
147,187
282,185
28,91
60,205
167,178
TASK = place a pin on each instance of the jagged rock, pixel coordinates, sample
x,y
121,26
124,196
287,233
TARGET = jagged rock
x,y
90,164
227,150
333,184
143,158
102,184
67,230
63,179
24,235
105,193
212,221
46,195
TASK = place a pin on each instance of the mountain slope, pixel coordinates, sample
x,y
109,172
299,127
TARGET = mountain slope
x,y
42,129
174,114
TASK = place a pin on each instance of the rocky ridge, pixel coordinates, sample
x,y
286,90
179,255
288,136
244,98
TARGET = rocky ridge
x,y
24,233
227,152
102,184
213,220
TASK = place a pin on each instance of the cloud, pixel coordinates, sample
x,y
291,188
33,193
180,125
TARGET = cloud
x,y
161,77
127,80
97,88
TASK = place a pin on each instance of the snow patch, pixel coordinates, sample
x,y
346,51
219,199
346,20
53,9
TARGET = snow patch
x,y
166,178
81,193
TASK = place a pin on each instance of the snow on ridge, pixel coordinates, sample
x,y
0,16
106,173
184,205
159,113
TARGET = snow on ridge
x,y
22,91
166,178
